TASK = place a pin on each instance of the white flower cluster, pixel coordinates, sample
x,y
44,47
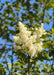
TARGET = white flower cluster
x,y
28,41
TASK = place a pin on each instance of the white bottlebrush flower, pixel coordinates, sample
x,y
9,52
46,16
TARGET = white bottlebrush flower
x,y
24,38
32,51
23,46
39,47
41,30
21,27
16,47
28,33
28,41
17,39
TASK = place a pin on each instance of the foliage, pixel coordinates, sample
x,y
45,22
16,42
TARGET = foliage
x,y
33,13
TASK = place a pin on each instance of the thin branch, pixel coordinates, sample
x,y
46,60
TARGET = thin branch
x,y
28,65
12,59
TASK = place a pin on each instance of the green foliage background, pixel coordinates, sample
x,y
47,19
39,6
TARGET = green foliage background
x,y
32,13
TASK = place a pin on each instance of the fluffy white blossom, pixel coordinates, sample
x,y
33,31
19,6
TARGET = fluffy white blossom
x,y
17,47
28,41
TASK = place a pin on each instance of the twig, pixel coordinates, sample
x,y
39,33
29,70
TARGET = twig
x,y
28,65
12,59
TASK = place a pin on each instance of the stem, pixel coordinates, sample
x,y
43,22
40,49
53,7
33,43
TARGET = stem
x,y
28,64
12,60
2,72
34,67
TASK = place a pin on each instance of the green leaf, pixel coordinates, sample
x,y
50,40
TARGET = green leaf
x,y
9,65
46,20
47,56
7,2
52,4
37,41
53,31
